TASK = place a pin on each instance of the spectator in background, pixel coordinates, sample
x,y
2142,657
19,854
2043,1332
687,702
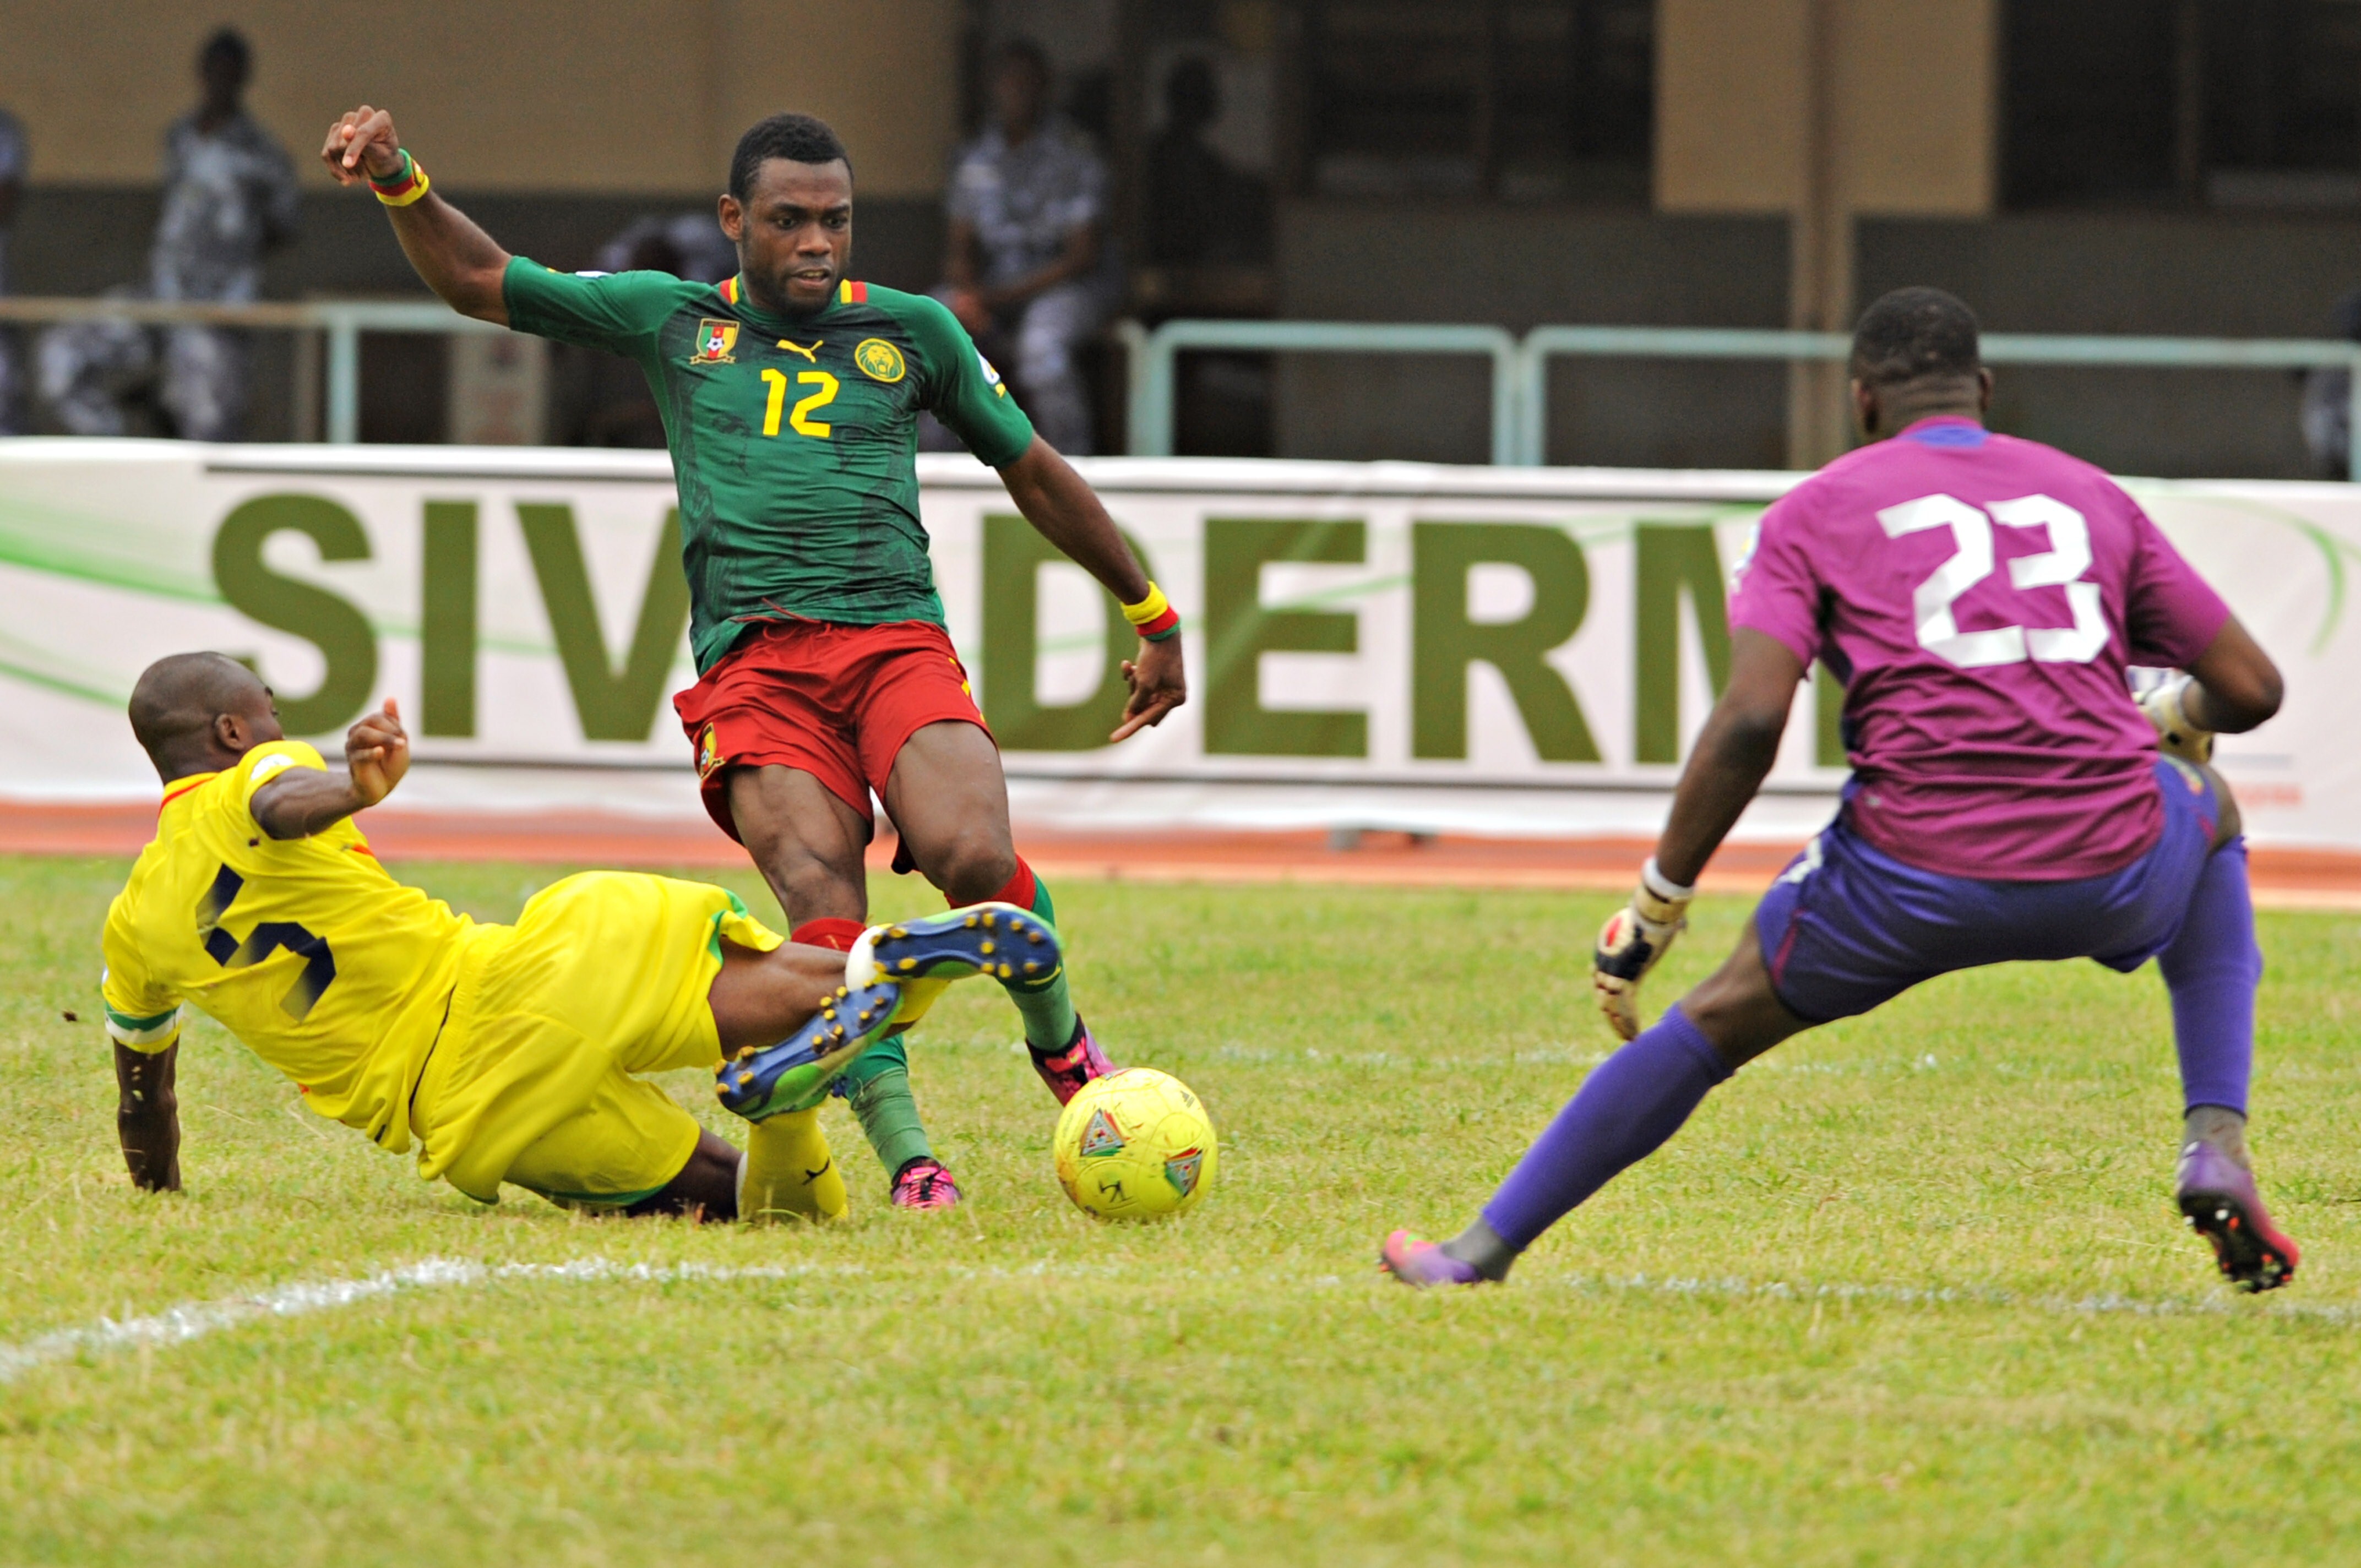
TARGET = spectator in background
x,y
1202,209
12,191
1023,275
686,245
2328,402
230,196
612,404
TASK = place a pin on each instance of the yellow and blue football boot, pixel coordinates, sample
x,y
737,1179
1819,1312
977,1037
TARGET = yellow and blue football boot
x,y
926,955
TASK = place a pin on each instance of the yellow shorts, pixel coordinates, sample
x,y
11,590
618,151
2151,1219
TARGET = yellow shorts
x,y
603,976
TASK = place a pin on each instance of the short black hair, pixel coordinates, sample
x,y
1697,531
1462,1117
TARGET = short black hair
x,y
176,700
798,138
231,44
1915,334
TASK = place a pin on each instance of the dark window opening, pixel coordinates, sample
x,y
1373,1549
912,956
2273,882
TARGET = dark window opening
x,y
1519,99
2220,102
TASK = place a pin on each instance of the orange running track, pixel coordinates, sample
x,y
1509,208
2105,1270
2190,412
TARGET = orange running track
x,y
2284,879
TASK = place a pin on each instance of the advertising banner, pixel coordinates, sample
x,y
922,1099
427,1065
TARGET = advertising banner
x,y
1516,651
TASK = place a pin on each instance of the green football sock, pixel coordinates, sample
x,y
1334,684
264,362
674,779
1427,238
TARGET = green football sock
x,y
1046,1006
878,1085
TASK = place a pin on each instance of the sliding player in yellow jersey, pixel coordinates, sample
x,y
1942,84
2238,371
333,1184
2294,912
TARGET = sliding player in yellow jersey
x,y
502,1053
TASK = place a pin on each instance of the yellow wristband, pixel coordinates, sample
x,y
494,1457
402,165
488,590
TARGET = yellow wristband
x,y
1151,608
408,188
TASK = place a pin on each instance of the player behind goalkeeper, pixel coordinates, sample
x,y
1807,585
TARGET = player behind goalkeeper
x,y
1982,598
505,1053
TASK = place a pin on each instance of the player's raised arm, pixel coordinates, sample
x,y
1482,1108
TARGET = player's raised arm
x,y
301,802
459,261
1068,513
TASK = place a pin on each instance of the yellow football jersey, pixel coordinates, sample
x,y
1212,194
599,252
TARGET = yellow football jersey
x,y
305,949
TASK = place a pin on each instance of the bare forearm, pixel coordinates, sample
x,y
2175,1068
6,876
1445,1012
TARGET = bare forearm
x,y
458,261
1733,755
2209,710
147,1116
1068,513
298,804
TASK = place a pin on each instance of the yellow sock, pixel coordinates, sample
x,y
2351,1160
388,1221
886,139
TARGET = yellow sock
x,y
788,1170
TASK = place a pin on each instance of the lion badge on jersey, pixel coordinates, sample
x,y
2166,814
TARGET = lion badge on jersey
x,y
715,339
709,760
879,360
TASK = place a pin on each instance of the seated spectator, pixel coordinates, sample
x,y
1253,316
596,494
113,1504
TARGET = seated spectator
x,y
600,399
98,377
1201,210
686,245
1024,273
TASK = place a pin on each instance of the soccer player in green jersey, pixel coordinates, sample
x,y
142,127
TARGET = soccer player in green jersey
x,y
790,396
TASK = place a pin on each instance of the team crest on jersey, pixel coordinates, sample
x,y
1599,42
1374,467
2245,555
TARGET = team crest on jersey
x,y
879,360
709,759
715,339
991,376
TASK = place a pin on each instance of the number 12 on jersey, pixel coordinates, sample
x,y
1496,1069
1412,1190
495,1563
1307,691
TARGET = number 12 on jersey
x,y
800,418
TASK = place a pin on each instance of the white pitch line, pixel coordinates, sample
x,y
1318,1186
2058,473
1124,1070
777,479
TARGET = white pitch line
x,y
2223,1305
195,1319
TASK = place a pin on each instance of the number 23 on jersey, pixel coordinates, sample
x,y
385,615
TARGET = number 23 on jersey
x,y
800,418
2059,566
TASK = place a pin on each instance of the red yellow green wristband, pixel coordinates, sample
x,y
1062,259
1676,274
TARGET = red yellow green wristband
x,y
405,187
1153,617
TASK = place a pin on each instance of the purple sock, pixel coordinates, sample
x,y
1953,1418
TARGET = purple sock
x,y
1631,1103
2212,969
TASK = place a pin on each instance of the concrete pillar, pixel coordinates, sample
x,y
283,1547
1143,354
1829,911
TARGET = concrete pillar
x,y
1826,110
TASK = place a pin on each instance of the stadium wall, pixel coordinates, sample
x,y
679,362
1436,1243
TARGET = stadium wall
x,y
527,96
2121,272
1514,652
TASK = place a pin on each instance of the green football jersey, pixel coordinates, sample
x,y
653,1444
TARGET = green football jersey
x,y
794,441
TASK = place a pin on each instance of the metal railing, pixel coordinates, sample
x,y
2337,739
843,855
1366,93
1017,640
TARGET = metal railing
x,y
1521,395
1519,411
1152,355
340,322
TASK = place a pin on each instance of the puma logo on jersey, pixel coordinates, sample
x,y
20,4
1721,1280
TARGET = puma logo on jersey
x,y
799,348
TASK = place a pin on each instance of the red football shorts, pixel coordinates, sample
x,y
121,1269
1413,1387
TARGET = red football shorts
x,y
836,701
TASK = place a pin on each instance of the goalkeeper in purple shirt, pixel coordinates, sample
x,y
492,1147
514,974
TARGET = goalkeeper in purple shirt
x,y
1982,599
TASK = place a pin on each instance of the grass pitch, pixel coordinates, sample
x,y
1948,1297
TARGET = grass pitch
x,y
1908,1290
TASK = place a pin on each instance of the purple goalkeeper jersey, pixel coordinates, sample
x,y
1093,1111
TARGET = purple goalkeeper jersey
x,y
1980,597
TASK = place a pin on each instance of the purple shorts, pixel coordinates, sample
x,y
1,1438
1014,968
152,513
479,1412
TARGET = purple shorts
x,y
1845,928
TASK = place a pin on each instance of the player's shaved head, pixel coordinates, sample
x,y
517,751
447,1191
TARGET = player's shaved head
x,y
176,704
1915,334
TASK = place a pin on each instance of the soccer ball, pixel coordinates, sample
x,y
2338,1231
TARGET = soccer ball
x,y
1136,1145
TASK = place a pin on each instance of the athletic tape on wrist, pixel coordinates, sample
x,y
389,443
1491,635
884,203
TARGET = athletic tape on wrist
x,y
1663,887
1153,617
406,187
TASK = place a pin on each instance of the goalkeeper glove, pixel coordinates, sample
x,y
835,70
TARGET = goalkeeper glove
x,y
2177,737
1632,942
